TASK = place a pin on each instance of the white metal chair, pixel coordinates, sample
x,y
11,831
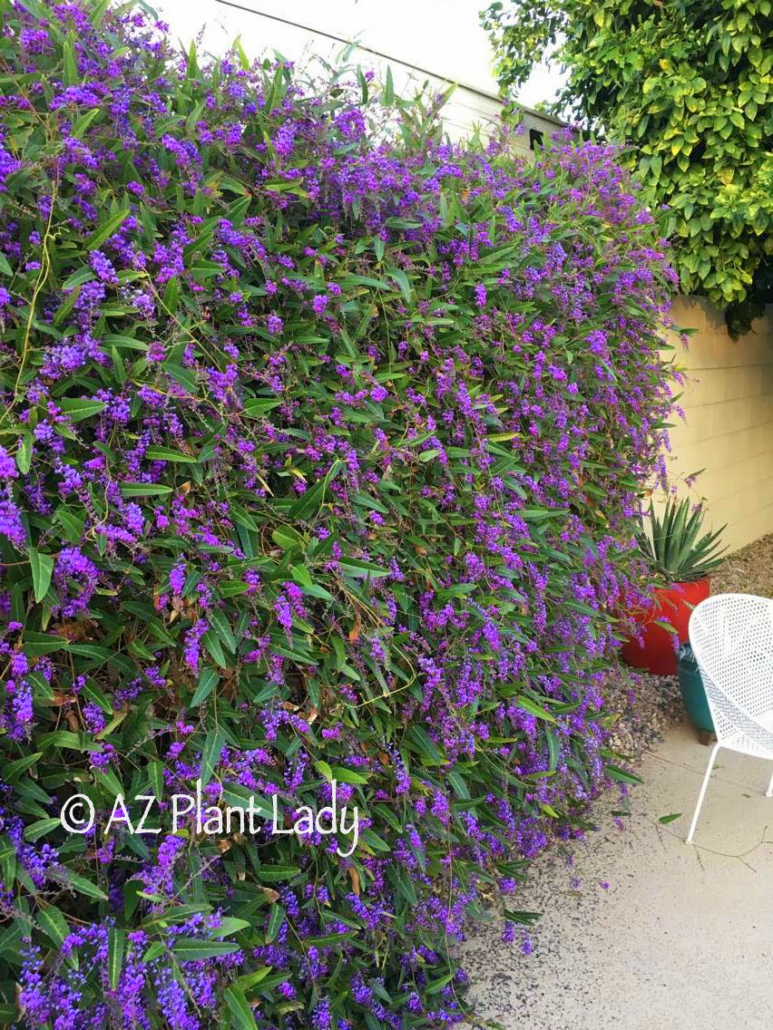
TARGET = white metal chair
x,y
732,638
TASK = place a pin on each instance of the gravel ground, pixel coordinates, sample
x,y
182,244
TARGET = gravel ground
x,y
748,571
646,705
638,930
504,983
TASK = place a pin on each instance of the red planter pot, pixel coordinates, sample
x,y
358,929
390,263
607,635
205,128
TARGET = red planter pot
x,y
655,651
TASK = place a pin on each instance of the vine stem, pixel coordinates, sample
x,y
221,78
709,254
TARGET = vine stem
x,y
45,268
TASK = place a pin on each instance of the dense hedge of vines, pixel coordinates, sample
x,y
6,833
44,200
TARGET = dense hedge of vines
x,y
320,439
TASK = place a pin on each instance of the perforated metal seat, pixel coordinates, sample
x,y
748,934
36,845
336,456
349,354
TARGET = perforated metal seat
x,y
732,638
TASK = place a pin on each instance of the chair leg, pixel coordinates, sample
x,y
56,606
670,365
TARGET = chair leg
x,y
702,794
769,791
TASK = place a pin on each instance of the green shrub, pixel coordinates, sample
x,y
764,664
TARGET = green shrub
x,y
687,88
319,442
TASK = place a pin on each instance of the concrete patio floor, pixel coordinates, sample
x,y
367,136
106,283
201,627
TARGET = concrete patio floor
x,y
682,938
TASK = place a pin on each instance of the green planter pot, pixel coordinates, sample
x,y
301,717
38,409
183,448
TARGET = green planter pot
x,y
693,694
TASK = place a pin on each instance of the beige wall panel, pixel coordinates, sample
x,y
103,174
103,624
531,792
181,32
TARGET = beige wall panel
x,y
725,450
707,421
738,383
728,428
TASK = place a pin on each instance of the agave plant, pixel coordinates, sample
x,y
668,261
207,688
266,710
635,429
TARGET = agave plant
x,y
676,549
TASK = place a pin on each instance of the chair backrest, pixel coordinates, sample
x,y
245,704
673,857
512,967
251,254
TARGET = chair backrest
x,y
732,637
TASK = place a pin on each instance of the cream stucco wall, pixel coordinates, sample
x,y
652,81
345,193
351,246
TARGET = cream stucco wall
x,y
728,429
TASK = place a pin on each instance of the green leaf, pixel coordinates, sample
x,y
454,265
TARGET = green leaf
x,y
41,828
287,538
145,490
309,502
524,918
214,648
156,948
229,925
374,842
241,516
12,770
77,409
116,945
78,278
36,644
114,723
616,773
53,924
70,76
275,921
533,708
404,885
208,680
108,228
355,567
171,301
42,566
73,525
100,654
24,454
243,1017
213,745
93,693
128,342
156,778
176,914
458,783
272,873
330,938
192,65
554,750
196,951
11,938
347,775
249,980
169,454
219,623
258,406
389,88
402,281
240,797
84,886
244,61
233,588
665,819
66,738
82,124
